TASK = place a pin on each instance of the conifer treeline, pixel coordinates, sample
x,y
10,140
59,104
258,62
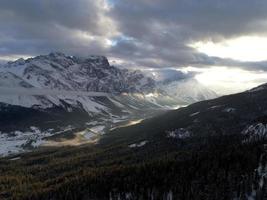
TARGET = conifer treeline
x,y
219,171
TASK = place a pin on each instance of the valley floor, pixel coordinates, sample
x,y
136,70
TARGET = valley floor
x,y
16,142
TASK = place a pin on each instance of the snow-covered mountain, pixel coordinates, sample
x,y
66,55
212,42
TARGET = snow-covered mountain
x,y
63,74
54,92
57,71
187,90
181,86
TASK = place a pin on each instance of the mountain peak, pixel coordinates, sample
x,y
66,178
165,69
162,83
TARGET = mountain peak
x,y
57,54
79,59
19,61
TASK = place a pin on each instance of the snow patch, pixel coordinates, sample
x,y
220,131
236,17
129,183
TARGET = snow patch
x,y
15,158
193,114
140,144
18,141
180,133
229,110
213,107
98,129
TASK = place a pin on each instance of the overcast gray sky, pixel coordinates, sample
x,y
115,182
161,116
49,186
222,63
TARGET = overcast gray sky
x,y
175,34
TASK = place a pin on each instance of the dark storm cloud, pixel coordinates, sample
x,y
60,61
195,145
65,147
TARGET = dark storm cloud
x,y
166,27
34,27
147,33
78,14
169,75
204,19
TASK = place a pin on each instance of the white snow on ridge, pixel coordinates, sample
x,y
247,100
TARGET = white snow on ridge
x,y
229,110
22,100
16,158
54,92
194,114
180,133
188,90
213,107
48,98
140,144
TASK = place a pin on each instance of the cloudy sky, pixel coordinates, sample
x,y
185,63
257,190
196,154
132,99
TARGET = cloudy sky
x,y
223,42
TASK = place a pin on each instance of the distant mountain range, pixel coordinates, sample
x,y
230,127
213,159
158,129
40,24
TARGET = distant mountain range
x,y
61,73
53,92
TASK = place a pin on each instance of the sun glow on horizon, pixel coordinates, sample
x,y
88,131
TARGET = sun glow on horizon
x,y
224,80
245,48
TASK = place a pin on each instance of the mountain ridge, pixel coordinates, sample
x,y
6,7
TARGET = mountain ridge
x,y
56,91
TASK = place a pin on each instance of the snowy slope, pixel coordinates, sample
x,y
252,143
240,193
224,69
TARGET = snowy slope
x,y
58,80
59,72
62,73
187,90
181,86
